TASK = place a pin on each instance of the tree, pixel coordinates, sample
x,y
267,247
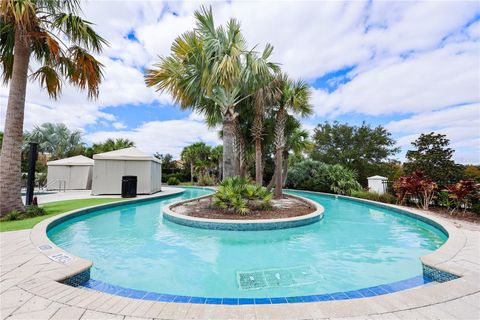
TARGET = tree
x,y
294,98
205,72
433,157
361,148
59,40
296,141
109,145
198,156
57,140
168,164
1,139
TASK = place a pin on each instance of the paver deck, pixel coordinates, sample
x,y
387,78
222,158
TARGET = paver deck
x,y
29,289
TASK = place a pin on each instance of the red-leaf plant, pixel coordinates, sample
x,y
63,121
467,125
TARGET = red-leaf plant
x,y
461,192
416,186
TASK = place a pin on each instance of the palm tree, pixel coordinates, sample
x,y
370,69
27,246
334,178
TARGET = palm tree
x,y
296,140
109,145
260,79
57,140
197,155
295,98
217,153
59,41
206,72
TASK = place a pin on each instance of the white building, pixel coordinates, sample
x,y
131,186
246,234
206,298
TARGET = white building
x,y
74,173
110,167
377,184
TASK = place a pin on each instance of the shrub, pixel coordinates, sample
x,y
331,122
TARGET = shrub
x,y
13,215
173,181
318,176
386,197
236,194
35,211
417,188
462,193
206,180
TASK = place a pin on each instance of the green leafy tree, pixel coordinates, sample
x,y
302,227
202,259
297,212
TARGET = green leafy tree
x,y
206,72
361,148
109,145
294,98
433,156
57,140
58,40
169,165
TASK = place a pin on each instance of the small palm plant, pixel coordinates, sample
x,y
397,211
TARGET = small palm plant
x,y
237,195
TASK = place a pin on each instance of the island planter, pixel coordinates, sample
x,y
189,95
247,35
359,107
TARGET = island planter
x,y
244,224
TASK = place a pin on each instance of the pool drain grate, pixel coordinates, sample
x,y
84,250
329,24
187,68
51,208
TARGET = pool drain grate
x,y
277,277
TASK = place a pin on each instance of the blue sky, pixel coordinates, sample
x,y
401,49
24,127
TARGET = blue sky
x,y
412,67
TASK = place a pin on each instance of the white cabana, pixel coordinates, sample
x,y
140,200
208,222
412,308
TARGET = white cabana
x,y
111,166
74,173
377,184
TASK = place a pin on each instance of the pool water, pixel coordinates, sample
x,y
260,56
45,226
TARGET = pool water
x,y
355,246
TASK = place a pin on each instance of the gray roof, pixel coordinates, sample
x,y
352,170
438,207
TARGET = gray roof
x,y
126,154
72,161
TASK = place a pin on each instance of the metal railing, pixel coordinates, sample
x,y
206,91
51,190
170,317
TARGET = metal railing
x,y
62,185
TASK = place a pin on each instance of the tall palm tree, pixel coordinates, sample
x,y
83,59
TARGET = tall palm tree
x,y
197,156
59,40
296,141
259,75
57,140
205,72
294,98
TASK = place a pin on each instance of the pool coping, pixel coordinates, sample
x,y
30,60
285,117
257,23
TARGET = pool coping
x,y
75,265
442,259
246,224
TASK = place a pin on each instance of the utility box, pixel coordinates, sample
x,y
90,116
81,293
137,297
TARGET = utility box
x,y
129,186
377,184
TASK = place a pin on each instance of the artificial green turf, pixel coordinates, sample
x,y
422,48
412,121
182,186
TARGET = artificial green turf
x,y
54,208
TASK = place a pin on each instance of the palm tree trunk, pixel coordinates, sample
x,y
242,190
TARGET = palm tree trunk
x,y
257,133
279,146
285,167
11,154
228,145
191,172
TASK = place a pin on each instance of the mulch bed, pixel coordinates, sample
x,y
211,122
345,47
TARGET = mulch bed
x,y
283,208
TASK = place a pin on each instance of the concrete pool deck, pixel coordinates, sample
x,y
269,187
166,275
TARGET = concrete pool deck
x,y
29,288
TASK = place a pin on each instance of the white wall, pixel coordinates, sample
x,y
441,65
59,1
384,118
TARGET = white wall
x,y
76,177
377,185
107,176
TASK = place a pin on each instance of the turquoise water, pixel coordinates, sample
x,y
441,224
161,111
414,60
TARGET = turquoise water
x,y
355,246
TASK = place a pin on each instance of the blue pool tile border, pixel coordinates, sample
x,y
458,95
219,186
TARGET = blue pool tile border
x,y
346,295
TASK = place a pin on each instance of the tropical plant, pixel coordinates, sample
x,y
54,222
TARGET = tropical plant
x,y
318,176
59,40
173,181
109,145
295,96
57,140
237,195
296,141
342,180
205,72
198,156
462,193
417,188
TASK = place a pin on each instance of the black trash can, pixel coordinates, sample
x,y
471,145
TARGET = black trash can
x,y
129,186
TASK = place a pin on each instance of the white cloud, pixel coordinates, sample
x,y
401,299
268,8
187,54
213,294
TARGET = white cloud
x,y
461,125
119,125
162,136
408,58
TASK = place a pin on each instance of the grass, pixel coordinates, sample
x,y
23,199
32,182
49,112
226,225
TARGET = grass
x,y
53,208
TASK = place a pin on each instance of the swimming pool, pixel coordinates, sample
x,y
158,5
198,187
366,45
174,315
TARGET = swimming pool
x,y
355,246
